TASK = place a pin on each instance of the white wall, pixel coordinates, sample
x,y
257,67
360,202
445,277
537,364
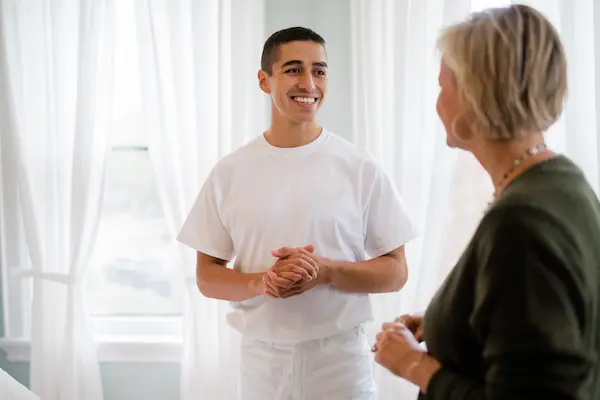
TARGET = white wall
x,y
329,18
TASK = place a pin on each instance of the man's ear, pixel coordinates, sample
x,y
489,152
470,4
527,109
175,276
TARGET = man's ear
x,y
263,81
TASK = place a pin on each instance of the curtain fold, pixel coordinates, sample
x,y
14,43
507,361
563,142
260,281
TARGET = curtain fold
x,y
201,100
198,63
58,59
395,88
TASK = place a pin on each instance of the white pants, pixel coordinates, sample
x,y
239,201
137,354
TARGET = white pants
x,y
339,367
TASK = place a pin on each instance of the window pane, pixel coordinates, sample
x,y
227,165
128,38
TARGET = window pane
x,y
133,261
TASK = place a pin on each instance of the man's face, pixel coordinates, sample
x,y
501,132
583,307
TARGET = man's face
x,y
298,83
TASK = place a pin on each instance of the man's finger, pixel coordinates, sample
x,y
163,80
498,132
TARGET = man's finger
x,y
270,286
307,252
310,248
305,262
307,265
311,262
288,251
283,252
289,275
304,255
291,292
282,283
296,266
291,272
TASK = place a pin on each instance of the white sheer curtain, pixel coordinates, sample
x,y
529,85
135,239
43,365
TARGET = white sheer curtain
x,y
199,62
58,60
576,133
395,89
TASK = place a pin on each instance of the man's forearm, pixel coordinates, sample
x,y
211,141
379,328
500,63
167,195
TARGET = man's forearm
x,y
219,282
383,274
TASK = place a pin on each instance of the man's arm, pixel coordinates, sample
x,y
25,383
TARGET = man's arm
x,y
383,274
387,225
216,281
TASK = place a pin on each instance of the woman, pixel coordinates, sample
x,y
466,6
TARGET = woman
x,y
518,316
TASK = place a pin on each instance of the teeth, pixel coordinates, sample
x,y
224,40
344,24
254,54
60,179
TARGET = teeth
x,y
304,99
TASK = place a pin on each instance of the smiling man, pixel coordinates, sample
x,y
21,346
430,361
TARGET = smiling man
x,y
314,225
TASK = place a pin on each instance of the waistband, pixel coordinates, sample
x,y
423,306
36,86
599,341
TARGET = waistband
x,y
349,335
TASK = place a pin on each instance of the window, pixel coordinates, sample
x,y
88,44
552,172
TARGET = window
x,y
132,263
132,292
16,292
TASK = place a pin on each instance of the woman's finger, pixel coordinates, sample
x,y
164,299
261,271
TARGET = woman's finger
x,y
419,334
393,327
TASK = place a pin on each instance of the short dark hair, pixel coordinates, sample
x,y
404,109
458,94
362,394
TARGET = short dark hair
x,y
294,34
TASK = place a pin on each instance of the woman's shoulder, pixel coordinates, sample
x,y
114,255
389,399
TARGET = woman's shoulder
x,y
555,182
508,219
553,192
552,227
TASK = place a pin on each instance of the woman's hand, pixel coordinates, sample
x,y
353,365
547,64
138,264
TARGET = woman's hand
x,y
414,322
398,351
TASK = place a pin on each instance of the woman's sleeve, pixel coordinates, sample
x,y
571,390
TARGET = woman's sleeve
x,y
533,312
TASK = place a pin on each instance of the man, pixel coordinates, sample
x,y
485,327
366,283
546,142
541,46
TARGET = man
x,y
299,208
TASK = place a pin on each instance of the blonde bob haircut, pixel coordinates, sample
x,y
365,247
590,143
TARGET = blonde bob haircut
x,y
510,71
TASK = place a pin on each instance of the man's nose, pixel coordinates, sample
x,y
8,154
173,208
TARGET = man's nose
x,y
307,82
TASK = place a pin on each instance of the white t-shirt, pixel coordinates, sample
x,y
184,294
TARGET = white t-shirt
x,y
327,193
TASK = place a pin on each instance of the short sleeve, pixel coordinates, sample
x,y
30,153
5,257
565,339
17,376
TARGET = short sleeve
x,y
203,230
387,222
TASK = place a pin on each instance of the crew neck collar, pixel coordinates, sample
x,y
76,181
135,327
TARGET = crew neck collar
x,y
295,151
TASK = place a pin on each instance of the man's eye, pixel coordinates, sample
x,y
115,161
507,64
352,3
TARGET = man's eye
x,y
292,71
321,72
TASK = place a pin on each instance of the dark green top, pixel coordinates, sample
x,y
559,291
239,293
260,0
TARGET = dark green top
x,y
518,317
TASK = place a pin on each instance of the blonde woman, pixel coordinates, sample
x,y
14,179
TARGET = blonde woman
x,y
518,316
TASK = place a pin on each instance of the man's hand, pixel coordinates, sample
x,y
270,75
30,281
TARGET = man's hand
x,y
295,289
296,271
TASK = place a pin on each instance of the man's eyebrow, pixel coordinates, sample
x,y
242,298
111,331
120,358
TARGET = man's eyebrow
x,y
298,62
291,62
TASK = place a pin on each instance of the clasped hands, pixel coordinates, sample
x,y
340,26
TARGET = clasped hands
x,y
296,271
